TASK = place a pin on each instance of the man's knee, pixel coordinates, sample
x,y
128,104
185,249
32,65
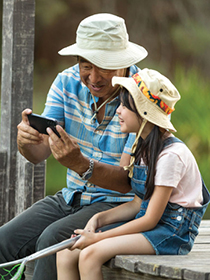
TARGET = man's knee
x,y
47,238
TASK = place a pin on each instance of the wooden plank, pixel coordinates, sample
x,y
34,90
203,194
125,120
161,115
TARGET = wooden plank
x,y
121,274
39,181
171,272
129,263
173,267
202,239
3,192
29,270
192,266
194,275
205,223
200,247
204,231
24,186
17,83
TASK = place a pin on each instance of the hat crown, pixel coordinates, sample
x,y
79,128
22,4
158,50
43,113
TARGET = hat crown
x,y
160,86
102,31
102,39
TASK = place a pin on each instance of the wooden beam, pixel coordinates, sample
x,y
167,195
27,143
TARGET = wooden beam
x,y
3,195
17,94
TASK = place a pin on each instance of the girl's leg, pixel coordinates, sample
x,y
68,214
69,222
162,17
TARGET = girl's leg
x,y
93,257
45,268
67,265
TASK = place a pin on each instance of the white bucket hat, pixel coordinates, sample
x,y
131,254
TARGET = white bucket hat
x,y
102,39
154,97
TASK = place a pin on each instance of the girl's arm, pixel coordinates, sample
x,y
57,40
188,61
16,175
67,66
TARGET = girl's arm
x,y
123,212
152,216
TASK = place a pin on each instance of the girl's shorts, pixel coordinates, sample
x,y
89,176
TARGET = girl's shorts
x,y
176,231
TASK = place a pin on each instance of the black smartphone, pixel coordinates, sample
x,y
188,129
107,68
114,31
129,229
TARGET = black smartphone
x,y
41,123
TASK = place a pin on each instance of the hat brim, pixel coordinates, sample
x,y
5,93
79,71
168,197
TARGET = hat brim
x,y
147,109
109,59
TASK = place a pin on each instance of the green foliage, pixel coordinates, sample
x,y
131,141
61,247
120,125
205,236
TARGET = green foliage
x,y
46,16
192,114
191,117
195,37
55,177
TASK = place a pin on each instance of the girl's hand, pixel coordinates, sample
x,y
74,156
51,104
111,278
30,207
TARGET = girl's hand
x,y
87,238
92,224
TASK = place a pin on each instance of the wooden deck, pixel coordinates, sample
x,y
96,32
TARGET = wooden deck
x,y
194,266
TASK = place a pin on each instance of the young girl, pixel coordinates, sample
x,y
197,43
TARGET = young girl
x,y
170,196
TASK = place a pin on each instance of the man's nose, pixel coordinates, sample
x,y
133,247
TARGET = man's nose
x,y
94,75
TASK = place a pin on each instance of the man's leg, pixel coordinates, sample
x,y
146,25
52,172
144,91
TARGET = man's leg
x,y
18,237
45,268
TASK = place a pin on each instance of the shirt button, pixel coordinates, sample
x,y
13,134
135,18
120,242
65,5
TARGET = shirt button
x,y
180,210
179,218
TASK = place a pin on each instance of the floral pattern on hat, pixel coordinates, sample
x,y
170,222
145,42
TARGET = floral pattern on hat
x,y
152,97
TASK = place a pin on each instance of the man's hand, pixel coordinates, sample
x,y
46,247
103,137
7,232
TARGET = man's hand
x,y
32,145
27,135
67,151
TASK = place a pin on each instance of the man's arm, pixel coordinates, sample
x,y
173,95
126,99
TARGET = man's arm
x,y
112,177
31,144
67,152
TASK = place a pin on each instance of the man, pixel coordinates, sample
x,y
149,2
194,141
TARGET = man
x,y
92,146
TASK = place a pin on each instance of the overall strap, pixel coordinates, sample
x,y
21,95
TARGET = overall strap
x,y
170,140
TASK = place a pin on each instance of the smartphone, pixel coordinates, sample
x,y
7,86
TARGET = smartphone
x,y
42,123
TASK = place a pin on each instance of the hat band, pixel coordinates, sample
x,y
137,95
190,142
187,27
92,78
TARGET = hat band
x,y
154,98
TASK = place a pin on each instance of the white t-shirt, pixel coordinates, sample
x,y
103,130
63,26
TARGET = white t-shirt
x,y
176,167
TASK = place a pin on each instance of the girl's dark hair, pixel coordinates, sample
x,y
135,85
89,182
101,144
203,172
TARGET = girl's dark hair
x,y
147,149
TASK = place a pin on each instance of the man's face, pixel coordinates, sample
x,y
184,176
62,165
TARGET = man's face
x,y
98,80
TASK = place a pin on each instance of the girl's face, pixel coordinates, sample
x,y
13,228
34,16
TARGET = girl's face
x,y
128,119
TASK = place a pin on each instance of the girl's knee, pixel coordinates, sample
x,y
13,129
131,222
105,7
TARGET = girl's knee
x,y
85,254
66,258
62,258
89,263
87,258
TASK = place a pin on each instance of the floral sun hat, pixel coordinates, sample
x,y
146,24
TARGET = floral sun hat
x,y
154,97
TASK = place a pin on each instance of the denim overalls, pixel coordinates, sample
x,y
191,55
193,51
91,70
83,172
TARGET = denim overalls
x,y
176,231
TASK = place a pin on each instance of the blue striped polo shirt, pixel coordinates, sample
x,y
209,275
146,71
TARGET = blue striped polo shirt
x,y
69,101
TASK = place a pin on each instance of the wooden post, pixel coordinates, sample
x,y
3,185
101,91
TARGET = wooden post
x,y
16,174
